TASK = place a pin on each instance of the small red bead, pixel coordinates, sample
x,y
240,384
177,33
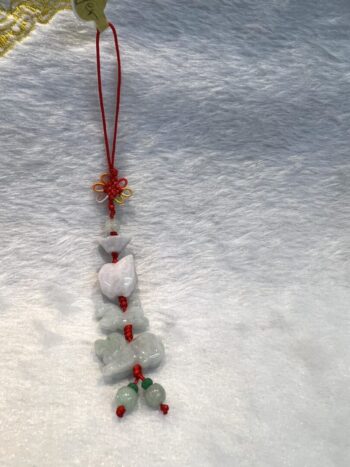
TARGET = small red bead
x,y
164,408
120,411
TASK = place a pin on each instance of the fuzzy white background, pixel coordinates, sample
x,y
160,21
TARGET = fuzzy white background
x,y
234,134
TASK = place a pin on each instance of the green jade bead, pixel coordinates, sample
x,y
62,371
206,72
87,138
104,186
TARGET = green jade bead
x,y
155,395
146,383
134,387
127,397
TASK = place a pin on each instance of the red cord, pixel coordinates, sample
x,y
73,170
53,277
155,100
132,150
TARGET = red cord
x,y
114,256
128,333
110,154
123,303
137,370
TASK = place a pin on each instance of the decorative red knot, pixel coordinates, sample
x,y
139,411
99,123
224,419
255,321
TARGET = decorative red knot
x,y
164,408
111,188
123,303
114,256
137,370
120,411
115,187
128,334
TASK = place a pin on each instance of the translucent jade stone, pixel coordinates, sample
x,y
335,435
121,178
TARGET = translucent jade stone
x,y
118,279
126,396
155,395
120,356
115,243
114,318
104,348
112,225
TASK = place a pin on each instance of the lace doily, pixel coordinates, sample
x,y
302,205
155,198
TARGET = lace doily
x,y
20,18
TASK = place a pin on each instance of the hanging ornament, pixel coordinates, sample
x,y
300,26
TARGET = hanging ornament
x,y
128,349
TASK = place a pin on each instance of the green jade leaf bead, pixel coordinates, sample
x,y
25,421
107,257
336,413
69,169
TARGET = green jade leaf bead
x,y
127,397
155,395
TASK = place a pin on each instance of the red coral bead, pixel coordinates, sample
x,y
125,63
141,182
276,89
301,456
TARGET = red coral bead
x,y
164,408
120,411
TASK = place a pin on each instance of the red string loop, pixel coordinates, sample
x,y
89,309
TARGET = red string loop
x,y
110,154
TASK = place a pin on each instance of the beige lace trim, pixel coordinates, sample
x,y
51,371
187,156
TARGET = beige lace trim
x,y
20,19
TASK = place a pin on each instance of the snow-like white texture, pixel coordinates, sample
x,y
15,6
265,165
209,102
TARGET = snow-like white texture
x,y
234,134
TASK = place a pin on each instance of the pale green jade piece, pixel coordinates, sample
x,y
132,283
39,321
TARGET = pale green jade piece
x,y
127,397
155,395
92,10
104,348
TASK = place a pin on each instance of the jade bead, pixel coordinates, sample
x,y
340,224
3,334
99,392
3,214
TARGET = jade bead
x,y
112,225
146,383
155,395
134,387
126,396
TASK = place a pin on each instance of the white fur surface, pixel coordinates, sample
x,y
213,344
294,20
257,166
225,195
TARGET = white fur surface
x,y
234,134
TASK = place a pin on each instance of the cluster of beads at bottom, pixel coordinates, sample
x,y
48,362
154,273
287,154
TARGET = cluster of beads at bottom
x,y
122,353
127,396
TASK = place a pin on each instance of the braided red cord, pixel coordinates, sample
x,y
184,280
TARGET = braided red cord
x,y
137,370
128,333
123,303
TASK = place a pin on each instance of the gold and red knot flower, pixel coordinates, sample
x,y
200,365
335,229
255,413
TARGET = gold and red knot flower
x,y
112,188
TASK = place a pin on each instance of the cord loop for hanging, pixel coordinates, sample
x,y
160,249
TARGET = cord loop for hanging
x,y
110,186
110,152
